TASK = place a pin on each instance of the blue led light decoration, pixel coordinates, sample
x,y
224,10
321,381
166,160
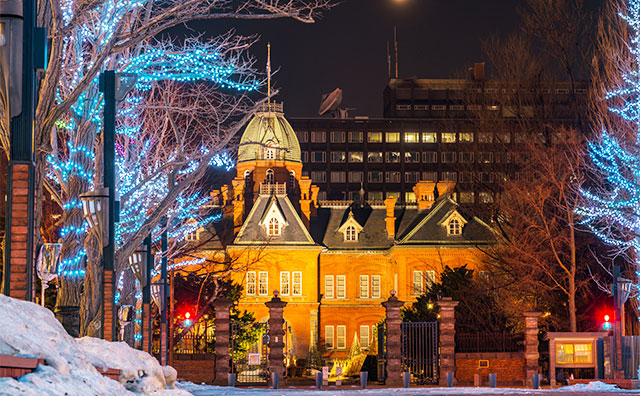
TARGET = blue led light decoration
x,y
612,209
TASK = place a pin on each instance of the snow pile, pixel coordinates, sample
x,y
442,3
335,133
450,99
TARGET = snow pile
x,y
27,329
593,386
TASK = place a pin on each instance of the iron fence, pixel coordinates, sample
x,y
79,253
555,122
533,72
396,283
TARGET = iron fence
x,y
420,351
489,342
192,344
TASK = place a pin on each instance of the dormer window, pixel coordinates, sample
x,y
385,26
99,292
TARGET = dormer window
x,y
192,231
350,234
454,223
269,153
270,178
350,228
454,227
274,227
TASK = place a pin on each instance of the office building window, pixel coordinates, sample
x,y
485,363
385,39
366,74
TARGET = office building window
x,y
341,286
484,137
338,156
355,137
411,177
466,137
303,136
375,177
448,176
364,336
251,283
410,196
329,339
338,177
374,157
322,196
430,278
464,177
503,137
466,158
328,286
394,194
375,286
448,157
485,197
466,197
393,177
318,137
364,286
393,137
305,156
374,137
341,333
318,156
430,176
485,158
411,137
430,157
297,283
411,157
285,283
448,137
375,196
429,137
263,283
502,158
356,156
486,177
337,137
355,177
392,156
417,283
319,177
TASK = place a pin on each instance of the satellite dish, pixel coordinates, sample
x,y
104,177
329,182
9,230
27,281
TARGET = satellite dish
x,y
330,101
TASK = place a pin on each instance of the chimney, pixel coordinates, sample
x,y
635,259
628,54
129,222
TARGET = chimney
x,y
445,187
424,194
305,199
478,71
238,201
390,219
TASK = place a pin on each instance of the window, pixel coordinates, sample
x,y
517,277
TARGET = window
x,y
466,158
328,286
409,196
411,177
504,137
355,177
284,283
375,196
448,157
303,136
417,283
269,153
329,339
274,227
375,286
485,197
464,177
341,286
318,137
318,156
297,283
430,278
466,197
411,137
485,137
319,177
364,336
356,156
374,137
337,137
393,137
454,227
520,137
485,158
393,177
263,283
305,156
374,156
393,156
322,196
430,157
449,176
438,107
502,158
270,178
350,234
338,156
247,176
355,137
448,137
486,177
364,286
411,157
466,137
430,176
375,177
251,283
341,337
456,107
394,194
429,137
338,177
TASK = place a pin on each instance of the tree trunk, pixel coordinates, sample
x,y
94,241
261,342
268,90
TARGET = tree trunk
x,y
572,304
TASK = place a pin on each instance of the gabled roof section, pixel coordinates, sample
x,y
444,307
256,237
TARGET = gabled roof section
x,y
253,232
429,227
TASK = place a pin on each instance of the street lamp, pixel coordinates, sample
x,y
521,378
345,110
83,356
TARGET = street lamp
x,y
156,293
95,208
138,265
126,314
47,266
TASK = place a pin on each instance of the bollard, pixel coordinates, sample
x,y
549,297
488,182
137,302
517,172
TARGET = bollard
x,y
319,380
536,381
449,380
363,379
492,379
406,378
476,380
232,379
275,380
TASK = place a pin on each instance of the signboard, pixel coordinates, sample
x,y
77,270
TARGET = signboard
x,y
339,371
254,359
325,373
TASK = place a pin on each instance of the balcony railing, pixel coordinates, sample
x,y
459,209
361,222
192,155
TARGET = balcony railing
x,y
273,188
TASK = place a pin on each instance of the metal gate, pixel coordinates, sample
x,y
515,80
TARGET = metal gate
x,y
250,353
420,351
382,337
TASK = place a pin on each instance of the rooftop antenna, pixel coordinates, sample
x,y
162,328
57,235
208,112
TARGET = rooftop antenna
x,y
388,61
395,44
269,76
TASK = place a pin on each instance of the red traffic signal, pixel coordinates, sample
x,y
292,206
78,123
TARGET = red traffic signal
x,y
606,325
187,321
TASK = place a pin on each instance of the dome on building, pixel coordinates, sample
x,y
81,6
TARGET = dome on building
x,y
269,136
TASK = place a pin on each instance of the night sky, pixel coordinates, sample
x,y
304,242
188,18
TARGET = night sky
x,y
346,48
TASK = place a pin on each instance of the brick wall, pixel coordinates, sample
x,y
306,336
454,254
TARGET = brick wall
x,y
509,367
195,368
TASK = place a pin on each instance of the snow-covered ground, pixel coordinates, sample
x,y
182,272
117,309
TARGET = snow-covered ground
x,y
593,387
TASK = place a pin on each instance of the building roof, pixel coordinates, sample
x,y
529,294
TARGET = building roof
x,y
269,128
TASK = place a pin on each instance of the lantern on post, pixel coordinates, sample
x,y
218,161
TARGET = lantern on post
x,y
138,265
126,314
156,293
95,208
47,265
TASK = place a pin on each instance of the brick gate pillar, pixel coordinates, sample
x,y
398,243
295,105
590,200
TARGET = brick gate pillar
x,y
222,306
531,354
447,330
394,340
276,335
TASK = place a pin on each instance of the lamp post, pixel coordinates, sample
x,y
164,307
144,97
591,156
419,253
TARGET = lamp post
x,y
621,289
164,331
139,264
47,266
22,52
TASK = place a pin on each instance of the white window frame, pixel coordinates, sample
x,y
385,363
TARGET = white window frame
x,y
454,227
418,283
296,283
341,286
363,286
285,283
376,285
251,283
341,339
350,234
329,337
273,228
365,336
261,283
329,284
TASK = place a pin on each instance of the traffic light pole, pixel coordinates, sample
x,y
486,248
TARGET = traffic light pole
x,y
147,328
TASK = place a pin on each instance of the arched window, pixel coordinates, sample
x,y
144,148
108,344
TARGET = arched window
x,y
247,176
292,180
270,177
350,234
274,227
455,227
269,153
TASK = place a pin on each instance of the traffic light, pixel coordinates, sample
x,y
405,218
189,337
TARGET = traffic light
x,y
606,324
187,321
